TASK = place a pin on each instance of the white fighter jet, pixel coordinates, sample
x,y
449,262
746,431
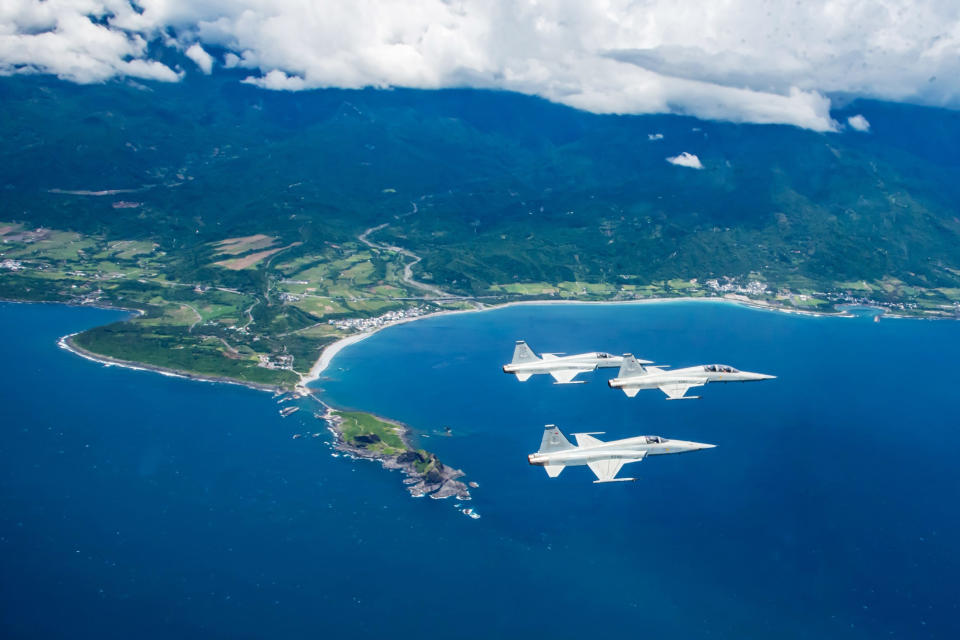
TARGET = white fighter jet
x,y
563,368
603,458
634,376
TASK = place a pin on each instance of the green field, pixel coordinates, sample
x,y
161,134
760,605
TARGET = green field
x,y
356,424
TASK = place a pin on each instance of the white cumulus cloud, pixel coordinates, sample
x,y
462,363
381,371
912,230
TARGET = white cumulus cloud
x,y
686,160
739,60
859,123
202,59
278,81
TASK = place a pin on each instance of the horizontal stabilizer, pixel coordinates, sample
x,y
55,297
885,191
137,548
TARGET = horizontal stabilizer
x,y
553,470
549,356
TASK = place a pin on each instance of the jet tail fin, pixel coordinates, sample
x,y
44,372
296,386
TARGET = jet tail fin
x,y
630,367
523,353
553,440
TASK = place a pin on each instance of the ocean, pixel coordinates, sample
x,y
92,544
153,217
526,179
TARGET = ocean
x,y
135,504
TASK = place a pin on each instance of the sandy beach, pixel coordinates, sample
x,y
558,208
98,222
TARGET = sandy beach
x,y
331,350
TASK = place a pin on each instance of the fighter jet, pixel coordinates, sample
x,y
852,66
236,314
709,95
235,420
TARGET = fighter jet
x,y
563,368
633,377
603,458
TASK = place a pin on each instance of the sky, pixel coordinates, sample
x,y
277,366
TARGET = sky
x,y
735,60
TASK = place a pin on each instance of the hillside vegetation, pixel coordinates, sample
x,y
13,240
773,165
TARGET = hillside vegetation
x,y
250,225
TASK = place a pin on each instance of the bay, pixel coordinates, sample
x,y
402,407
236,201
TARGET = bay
x,y
134,503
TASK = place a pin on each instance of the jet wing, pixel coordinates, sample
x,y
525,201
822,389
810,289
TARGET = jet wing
x,y
677,390
586,440
606,470
564,376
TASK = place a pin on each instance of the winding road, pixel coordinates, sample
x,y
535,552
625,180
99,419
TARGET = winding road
x,y
407,268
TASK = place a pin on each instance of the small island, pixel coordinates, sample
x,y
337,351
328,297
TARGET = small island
x,y
364,435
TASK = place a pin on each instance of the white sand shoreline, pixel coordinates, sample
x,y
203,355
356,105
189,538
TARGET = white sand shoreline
x,y
331,350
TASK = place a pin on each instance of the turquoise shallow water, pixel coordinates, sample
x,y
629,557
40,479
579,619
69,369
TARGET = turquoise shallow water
x,y
138,504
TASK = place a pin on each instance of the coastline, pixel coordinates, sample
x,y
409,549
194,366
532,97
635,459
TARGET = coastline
x,y
438,483
331,350
105,307
67,343
441,482
437,480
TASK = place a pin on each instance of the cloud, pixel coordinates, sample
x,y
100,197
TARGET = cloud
x,y
278,81
731,61
686,160
55,37
202,59
859,123
654,136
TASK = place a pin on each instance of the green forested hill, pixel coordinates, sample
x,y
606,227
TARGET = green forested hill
x,y
509,188
253,227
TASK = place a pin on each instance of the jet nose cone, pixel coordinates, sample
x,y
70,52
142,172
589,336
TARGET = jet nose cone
x,y
761,376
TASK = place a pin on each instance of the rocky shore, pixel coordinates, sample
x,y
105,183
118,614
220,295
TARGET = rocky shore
x,y
425,474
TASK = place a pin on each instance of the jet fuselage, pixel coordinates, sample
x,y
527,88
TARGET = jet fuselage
x,y
581,362
674,382
563,369
626,449
655,376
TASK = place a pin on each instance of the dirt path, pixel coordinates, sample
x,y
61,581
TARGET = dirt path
x,y
250,315
196,313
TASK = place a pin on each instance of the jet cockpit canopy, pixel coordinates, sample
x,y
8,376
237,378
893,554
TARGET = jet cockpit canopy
x,y
719,368
655,439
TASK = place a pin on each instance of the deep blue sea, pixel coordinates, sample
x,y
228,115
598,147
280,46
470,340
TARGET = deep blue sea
x,y
138,505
